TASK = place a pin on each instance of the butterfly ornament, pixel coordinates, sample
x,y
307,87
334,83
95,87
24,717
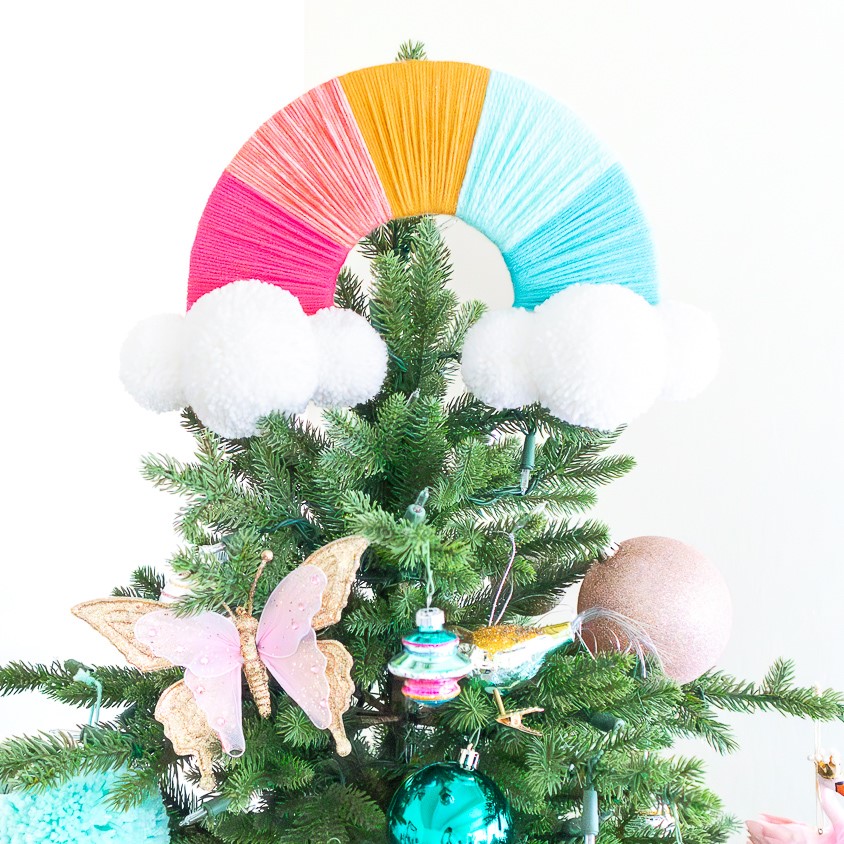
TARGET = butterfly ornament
x,y
215,650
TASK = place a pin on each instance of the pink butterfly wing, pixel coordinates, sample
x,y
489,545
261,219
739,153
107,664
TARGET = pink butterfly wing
x,y
220,698
302,675
289,611
208,644
287,643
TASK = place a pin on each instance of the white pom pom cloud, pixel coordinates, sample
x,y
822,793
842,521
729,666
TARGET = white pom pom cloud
x,y
247,349
596,355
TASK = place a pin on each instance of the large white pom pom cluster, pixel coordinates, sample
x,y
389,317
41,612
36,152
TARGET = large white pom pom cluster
x,y
247,349
595,355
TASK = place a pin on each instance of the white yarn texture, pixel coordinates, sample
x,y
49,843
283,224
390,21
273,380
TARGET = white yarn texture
x,y
151,363
247,349
502,380
352,358
596,355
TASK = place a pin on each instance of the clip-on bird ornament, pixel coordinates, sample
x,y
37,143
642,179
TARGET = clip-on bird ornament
x,y
204,709
505,655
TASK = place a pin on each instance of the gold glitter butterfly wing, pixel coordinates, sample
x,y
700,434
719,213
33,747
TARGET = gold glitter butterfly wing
x,y
338,670
115,619
339,560
188,730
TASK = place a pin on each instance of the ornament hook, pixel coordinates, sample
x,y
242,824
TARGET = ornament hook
x,y
84,675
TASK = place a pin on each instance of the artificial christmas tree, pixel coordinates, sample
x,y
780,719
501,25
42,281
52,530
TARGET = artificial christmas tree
x,y
475,510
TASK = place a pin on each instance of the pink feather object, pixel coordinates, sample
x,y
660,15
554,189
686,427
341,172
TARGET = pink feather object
x,y
771,829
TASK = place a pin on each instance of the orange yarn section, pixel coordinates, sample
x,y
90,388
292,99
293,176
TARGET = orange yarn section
x,y
418,120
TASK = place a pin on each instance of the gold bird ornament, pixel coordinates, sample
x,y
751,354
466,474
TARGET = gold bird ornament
x,y
504,656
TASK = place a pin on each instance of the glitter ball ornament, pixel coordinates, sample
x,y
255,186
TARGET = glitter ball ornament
x,y
78,811
430,662
447,803
672,592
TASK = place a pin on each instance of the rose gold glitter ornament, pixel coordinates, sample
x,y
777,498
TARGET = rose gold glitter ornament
x,y
672,592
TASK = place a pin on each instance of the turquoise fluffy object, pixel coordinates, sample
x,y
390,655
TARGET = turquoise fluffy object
x,y
77,811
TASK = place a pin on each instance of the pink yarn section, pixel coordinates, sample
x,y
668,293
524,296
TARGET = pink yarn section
x,y
310,158
243,235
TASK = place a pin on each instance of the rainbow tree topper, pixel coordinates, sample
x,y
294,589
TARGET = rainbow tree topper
x,y
586,336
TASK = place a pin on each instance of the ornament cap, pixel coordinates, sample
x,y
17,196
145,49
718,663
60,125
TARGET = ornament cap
x,y
469,757
827,765
430,618
609,552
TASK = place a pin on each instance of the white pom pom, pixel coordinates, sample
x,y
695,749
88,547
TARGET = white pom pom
x,y
352,358
693,350
599,357
249,350
497,364
150,363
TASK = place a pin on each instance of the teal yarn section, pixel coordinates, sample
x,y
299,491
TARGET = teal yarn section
x,y
543,189
601,237
530,158
77,812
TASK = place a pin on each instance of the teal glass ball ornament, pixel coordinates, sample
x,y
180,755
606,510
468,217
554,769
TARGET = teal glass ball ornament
x,y
449,803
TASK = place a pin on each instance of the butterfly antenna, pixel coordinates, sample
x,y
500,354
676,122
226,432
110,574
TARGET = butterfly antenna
x,y
266,558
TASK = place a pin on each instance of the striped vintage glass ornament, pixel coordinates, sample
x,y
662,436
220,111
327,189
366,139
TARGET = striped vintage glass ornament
x,y
430,662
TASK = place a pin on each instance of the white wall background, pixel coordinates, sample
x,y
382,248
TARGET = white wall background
x,y
117,122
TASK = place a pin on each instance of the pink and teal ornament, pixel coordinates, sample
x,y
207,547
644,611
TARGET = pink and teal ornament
x,y
430,662
450,803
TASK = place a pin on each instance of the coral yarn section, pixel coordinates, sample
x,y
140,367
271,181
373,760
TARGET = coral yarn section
x,y
243,235
418,120
311,160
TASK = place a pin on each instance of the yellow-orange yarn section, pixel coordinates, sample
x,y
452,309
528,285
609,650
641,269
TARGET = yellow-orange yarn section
x,y
418,120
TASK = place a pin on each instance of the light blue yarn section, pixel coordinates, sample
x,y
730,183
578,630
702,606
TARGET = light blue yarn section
x,y
543,189
601,237
531,156
77,812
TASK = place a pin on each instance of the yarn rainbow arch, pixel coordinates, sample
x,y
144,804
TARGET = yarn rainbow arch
x,y
586,338
423,137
